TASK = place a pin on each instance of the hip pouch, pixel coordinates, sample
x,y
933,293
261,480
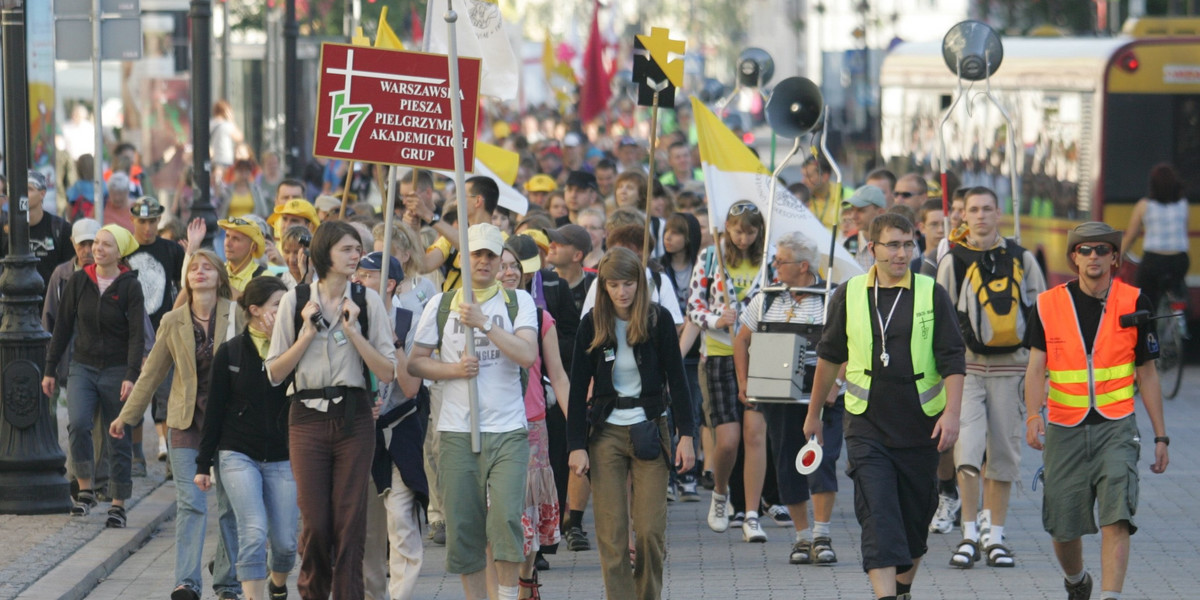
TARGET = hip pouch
x,y
646,440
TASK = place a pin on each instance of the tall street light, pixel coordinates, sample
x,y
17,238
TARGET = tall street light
x,y
291,111
31,460
201,18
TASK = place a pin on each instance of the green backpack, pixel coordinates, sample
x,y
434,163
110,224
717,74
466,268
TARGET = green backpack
x,y
510,302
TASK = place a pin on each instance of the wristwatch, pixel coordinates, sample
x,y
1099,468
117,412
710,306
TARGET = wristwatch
x,y
1162,438
434,219
487,328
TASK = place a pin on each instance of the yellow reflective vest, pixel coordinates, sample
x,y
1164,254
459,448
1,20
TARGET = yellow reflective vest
x,y
860,344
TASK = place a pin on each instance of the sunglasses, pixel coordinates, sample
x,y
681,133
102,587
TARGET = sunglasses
x,y
742,207
1101,250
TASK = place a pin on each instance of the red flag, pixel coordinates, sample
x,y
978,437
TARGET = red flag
x,y
418,29
596,90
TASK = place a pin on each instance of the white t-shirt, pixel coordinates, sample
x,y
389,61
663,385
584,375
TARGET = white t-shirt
x,y
501,399
672,304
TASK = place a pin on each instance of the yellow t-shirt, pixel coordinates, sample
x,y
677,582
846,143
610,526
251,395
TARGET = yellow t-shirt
x,y
241,205
741,277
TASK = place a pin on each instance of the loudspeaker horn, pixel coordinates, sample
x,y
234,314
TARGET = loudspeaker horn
x,y
795,107
972,50
755,67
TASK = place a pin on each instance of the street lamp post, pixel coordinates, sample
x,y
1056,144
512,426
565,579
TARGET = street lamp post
x,y
31,460
291,84
201,18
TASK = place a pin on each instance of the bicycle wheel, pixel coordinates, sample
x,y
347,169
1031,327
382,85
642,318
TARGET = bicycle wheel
x,y
1170,353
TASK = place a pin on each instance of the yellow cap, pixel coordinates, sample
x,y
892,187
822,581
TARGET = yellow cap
x,y
296,208
247,229
541,183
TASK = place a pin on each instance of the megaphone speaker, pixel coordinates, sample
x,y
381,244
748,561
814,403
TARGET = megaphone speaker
x,y
755,67
972,50
794,107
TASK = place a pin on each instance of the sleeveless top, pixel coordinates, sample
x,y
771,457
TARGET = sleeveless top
x,y
1166,227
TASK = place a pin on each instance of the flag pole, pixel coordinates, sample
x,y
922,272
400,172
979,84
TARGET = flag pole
x,y
389,218
835,195
460,193
346,189
657,86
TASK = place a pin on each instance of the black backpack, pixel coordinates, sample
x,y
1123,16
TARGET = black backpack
x,y
358,293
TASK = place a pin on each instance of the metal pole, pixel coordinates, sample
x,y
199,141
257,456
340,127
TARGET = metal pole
x,y
201,17
762,276
97,164
460,192
31,460
226,50
291,33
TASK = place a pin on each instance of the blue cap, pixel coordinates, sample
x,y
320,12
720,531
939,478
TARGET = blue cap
x,y
374,262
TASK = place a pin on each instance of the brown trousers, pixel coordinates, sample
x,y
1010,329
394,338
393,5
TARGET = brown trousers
x,y
331,471
613,466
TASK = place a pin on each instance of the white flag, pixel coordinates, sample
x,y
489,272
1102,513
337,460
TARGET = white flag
x,y
480,35
733,173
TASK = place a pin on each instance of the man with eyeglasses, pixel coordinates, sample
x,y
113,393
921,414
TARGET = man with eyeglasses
x,y
994,283
1091,444
483,195
897,335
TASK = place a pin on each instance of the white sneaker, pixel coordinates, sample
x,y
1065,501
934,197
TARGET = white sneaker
x,y
943,519
162,448
752,531
718,514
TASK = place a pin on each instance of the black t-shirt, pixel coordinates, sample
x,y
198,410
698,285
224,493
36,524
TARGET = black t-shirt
x,y
1088,310
159,267
894,416
566,306
50,242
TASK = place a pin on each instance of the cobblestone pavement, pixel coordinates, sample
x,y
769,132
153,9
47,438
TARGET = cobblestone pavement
x,y
703,564
30,546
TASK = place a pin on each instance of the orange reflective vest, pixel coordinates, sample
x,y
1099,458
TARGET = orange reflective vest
x,y
1079,381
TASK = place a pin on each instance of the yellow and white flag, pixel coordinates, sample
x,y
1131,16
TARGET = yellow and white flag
x,y
501,165
733,173
480,35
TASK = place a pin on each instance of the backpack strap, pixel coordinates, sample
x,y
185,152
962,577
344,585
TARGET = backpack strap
x,y
303,295
443,314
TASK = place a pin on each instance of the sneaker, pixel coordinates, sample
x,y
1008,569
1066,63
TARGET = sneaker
x,y
718,514
738,518
138,468
1081,590
707,481
227,595
904,596
85,501
671,494
184,592
540,563
688,493
162,449
943,519
276,593
779,514
752,531
437,533
577,540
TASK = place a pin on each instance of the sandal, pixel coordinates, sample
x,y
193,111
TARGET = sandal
x,y
998,555
85,501
184,592
532,585
801,553
822,551
966,554
116,517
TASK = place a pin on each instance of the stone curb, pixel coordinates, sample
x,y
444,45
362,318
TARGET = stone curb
x,y
76,576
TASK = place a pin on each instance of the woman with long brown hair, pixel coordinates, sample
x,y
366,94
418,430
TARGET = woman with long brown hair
x,y
186,341
625,348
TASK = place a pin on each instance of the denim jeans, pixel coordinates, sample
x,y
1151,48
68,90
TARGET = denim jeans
x,y
191,512
87,388
263,495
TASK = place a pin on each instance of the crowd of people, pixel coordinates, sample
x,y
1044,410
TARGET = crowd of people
x,y
329,412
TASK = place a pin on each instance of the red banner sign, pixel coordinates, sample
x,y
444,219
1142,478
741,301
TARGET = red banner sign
x,y
393,107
